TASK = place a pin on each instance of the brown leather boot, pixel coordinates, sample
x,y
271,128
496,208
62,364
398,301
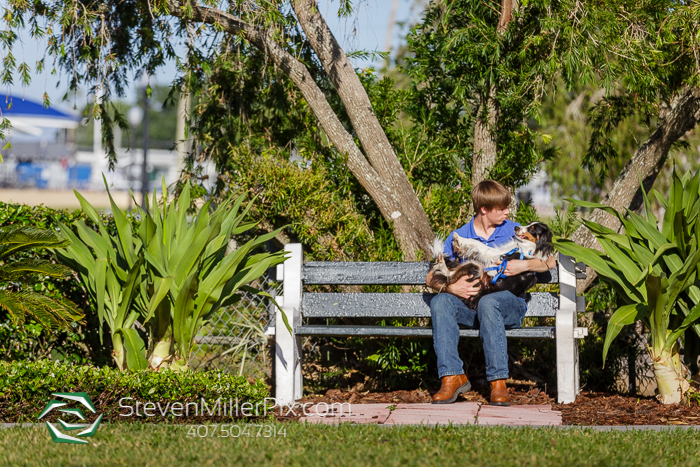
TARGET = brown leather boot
x,y
452,386
499,393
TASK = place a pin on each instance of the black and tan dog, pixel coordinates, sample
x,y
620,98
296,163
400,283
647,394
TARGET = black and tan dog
x,y
479,261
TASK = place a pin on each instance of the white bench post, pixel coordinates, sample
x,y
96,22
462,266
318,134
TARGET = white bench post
x,y
566,321
288,379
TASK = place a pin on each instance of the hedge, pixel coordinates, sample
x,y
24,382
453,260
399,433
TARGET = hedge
x,y
27,387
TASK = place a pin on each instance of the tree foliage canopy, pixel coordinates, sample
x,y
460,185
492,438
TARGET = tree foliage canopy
x,y
460,57
259,76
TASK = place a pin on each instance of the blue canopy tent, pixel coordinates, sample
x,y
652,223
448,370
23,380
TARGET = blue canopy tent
x,y
33,154
29,117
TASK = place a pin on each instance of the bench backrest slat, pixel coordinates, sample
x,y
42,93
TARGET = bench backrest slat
x,y
379,273
364,273
398,305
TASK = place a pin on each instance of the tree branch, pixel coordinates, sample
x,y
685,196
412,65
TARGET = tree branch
x,y
506,14
647,162
386,201
374,141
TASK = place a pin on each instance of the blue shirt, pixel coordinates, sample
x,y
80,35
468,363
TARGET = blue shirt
x,y
502,234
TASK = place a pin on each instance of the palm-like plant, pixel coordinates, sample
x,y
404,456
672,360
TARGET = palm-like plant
x,y
16,297
168,278
190,263
656,276
111,269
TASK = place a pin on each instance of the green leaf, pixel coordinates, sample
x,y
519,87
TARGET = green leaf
x,y
675,205
648,213
262,293
662,201
642,253
591,205
15,239
128,293
100,274
691,317
601,265
604,232
184,323
626,314
657,295
50,312
654,259
22,270
88,209
126,242
647,230
621,260
135,349
684,277
161,292
690,196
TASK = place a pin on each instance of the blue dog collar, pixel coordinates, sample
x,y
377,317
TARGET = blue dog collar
x,y
501,269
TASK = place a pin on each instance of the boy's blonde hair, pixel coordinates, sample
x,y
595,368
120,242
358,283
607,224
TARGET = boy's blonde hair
x,y
491,195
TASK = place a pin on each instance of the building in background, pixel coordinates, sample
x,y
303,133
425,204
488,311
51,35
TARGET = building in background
x,y
43,147
538,191
44,163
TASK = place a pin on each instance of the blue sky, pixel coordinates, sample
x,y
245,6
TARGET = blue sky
x,y
366,29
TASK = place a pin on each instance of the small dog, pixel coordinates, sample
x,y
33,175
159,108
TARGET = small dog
x,y
531,241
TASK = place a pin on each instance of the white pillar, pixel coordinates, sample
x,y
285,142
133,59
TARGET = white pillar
x,y
97,138
288,378
181,143
99,163
567,350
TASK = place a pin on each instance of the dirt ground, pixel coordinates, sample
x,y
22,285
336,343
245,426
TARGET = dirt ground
x,y
64,199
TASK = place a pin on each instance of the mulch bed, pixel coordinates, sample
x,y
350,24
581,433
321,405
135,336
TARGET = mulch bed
x,y
591,408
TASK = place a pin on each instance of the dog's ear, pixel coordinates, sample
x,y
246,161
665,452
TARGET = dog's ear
x,y
544,241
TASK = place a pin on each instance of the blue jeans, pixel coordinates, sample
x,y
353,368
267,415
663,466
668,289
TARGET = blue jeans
x,y
497,312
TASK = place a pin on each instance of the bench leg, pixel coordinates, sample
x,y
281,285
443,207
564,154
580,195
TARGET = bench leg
x,y
567,360
288,378
567,348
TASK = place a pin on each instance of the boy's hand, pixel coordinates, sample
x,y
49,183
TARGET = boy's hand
x,y
515,267
465,289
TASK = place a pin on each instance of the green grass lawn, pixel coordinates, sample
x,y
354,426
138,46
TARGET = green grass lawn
x,y
353,445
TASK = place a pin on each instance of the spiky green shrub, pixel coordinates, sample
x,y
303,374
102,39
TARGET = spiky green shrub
x,y
168,277
656,276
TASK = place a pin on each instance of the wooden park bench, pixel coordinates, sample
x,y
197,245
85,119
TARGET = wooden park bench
x,y
299,306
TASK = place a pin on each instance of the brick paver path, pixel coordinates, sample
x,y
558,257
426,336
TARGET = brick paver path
x,y
459,413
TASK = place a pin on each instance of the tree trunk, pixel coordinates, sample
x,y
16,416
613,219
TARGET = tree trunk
x,y
513,206
681,117
407,235
506,14
485,150
364,121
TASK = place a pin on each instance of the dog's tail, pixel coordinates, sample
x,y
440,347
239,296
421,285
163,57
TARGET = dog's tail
x,y
437,247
